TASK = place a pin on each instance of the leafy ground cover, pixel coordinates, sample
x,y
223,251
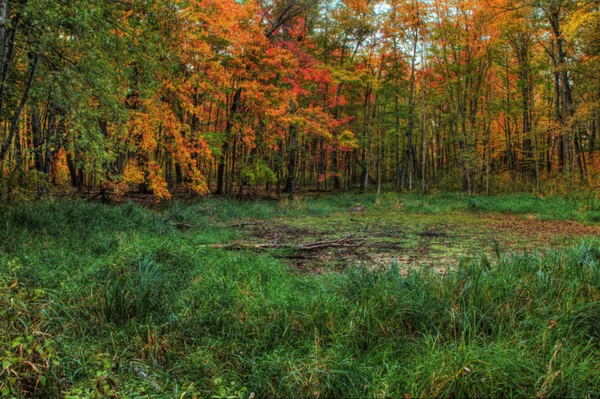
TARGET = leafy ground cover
x,y
450,296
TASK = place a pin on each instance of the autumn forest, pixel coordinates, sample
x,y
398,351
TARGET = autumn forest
x,y
248,199
256,98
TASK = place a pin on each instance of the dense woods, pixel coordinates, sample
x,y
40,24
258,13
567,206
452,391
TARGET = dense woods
x,y
262,97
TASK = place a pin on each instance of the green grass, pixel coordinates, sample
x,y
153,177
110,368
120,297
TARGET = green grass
x,y
583,208
99,301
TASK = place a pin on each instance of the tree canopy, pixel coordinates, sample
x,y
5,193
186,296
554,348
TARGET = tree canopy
x,y
275,96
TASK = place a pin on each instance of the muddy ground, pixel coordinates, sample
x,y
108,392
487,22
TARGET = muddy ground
x,y
378,238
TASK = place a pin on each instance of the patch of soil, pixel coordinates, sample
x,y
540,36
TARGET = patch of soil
x,y
433,233
279,233
439,246
540,228
389,232
383,245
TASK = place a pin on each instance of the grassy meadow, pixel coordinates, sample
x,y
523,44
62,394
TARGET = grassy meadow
x,y
446,296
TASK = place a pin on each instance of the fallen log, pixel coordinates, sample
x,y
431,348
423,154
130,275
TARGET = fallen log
x,y
349,241
243,225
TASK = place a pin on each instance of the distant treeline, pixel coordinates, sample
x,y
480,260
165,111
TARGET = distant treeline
x,y
253,97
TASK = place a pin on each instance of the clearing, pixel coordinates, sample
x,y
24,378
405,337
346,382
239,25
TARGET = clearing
x,y
377,237
439,296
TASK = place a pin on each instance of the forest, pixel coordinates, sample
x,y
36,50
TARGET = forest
x,y
256,98
248,199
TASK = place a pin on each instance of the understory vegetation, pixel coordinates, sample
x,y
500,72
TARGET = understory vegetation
x,y
123,301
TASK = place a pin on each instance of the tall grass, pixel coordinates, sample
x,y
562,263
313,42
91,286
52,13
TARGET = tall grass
x,y
100,301
583,208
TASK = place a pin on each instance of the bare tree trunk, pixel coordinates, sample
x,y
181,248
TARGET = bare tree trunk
x,y
8,33
536,152
290,184
17,114
367,136
397,127
4,4
423,130
38,140
408,152
235,103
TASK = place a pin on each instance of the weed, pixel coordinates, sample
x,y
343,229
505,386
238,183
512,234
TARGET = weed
x,y
100,301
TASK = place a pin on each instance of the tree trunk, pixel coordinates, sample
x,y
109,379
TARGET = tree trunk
x,y
408,151
290,184
17,114
235,103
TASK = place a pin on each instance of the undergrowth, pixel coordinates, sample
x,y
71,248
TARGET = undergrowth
x,y
114,301
582,207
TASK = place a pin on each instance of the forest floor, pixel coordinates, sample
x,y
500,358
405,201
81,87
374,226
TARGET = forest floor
x,y
384,234
333,296
411,240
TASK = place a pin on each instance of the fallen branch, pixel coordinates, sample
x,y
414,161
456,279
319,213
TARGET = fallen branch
x,y
242,225
184,225
349,241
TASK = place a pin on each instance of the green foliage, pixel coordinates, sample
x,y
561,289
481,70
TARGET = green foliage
x,y
28,353
138,290
114,300
258,174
